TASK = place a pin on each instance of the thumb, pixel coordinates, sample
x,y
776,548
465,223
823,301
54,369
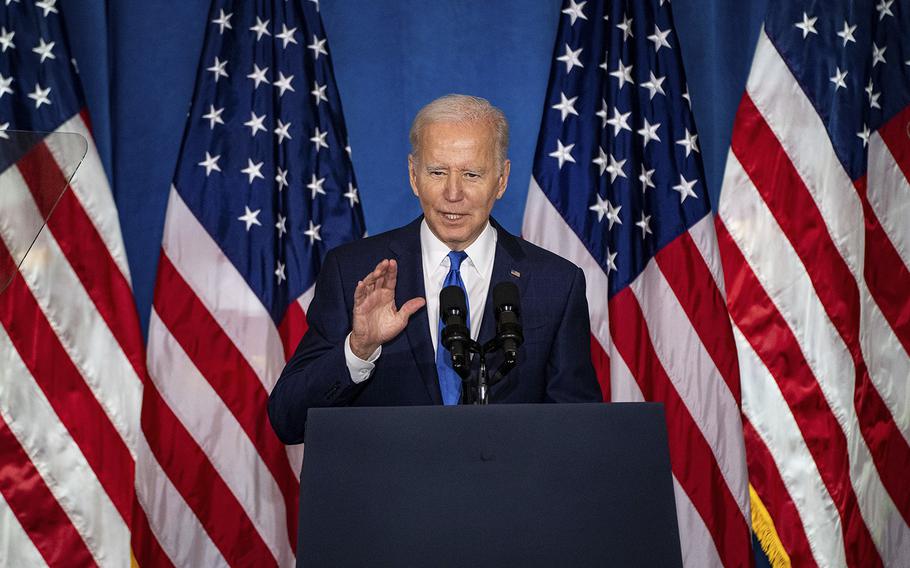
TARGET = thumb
x,y
410,308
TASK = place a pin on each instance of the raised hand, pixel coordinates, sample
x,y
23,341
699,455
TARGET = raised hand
x,y
376,320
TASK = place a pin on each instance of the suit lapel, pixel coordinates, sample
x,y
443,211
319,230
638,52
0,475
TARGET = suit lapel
x,y
406,249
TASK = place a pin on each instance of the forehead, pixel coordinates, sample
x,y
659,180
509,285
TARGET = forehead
x,y
456,136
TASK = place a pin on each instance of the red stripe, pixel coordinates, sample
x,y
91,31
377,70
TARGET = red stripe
x,y
145,546
189,469
292,329
767,482
601,362
691,280
766,330
36,508
69,395
894,134
755,145
691,457
229,373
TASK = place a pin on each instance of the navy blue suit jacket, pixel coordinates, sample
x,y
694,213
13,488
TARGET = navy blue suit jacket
x,y
554,363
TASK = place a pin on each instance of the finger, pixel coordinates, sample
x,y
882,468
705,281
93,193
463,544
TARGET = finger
x,y
391,276
410,307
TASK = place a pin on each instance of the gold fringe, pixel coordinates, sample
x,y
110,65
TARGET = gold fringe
x,y
133,563
764,530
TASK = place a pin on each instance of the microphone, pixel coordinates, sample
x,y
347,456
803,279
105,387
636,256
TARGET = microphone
x,y
508,320
453,310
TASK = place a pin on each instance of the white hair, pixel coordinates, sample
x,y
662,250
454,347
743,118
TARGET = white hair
x,y
463,108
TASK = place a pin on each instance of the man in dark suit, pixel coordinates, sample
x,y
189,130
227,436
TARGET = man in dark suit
x,y
374,319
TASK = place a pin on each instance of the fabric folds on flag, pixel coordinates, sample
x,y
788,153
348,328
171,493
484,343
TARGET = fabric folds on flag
x,y
263,189
815,241
71,353
618,188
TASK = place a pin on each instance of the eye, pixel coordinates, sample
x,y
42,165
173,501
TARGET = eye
x,y
472,175
437,173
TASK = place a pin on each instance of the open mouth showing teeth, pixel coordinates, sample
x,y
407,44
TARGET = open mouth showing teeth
x,y
452,216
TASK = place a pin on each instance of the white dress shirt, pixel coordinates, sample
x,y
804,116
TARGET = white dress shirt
x,y
476,272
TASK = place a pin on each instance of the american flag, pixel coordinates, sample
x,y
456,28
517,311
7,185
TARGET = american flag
x,y
618,188
815,240
263,189
71,354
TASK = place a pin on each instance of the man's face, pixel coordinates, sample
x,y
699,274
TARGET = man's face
x,y
457,177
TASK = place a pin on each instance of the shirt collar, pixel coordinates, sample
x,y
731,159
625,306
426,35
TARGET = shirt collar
x,y
480,252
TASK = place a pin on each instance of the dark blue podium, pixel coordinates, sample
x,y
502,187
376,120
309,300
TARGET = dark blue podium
x,y
499,485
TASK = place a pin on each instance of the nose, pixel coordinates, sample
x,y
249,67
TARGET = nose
x,y
453,189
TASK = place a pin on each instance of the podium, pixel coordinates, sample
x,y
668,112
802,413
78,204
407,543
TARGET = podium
x,y
499,485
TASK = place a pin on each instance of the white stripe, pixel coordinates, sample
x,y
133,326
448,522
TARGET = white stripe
x,y
783,276
16,548
801,132
91,187
58,459
705,238
889,195
695,378
82,331
216,430
769,414
222,290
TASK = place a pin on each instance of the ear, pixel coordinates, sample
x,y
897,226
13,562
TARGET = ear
x,y
412,174
504,178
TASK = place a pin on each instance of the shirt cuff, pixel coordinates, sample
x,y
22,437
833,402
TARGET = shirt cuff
x,y
359,369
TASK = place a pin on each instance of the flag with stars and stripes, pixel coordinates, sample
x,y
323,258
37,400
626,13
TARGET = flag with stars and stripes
x,y
71,355
263,189
814,232
618,188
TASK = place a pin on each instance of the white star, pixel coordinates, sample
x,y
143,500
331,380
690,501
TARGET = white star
x,y
284,84
623,73
315,186
686,96
348,150
3,128
279,272
5,83
659,38
563,153
684,188
46,5
317,4
313,232
250,217
626,27
847,33
654,85
644,225
282,131
261,28
878,55
611,261
807,25
253,170
883,8
620,121
318,139
255,123
281,178
223,21
318,47
613,215
616,168
864,135
689,142
566,106
214,116
601,160
286,36
602,113
6,39
258,75
571,58
649,132
40,96
606,60
319,92
351,194
281,225
44,50
600,207
575,11
210,163
873,100
645,178
218,68
838,79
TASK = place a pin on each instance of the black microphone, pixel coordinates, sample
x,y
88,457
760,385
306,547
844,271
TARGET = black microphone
x,y
508,320
453,310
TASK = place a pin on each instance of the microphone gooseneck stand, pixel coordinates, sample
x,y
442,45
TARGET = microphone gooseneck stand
x,y
476,390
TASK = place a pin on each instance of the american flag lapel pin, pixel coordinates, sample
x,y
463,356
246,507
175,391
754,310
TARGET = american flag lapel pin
x,y
515,273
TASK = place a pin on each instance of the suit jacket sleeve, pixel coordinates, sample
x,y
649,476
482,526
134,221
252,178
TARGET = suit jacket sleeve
x,y
316,374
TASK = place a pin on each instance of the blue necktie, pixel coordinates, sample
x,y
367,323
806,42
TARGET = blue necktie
x,y
449,381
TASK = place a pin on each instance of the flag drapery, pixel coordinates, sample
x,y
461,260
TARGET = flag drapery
x,y
71,354
618,188
263,189
813,232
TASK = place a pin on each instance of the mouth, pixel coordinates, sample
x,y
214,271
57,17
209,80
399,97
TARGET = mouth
x,y
453,217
